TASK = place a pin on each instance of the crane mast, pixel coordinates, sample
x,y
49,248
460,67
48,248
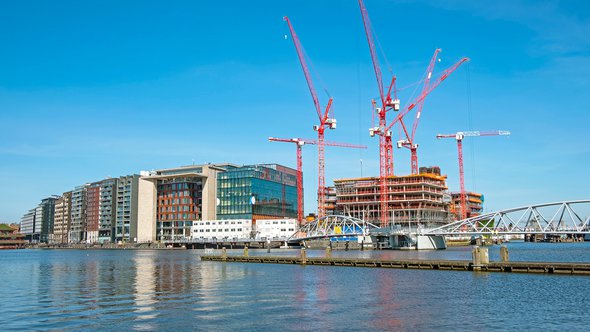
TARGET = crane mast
x,y
387,103
324,121
459,136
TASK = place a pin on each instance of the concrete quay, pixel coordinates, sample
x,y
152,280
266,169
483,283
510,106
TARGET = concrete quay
x,y
478,264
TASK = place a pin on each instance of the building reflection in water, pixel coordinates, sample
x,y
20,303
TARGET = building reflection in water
x,y
144,291
388,303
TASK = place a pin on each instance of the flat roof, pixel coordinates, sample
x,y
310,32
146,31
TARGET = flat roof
x,y
172,176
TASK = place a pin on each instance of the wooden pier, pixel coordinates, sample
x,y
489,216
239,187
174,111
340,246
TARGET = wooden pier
x,y
454,265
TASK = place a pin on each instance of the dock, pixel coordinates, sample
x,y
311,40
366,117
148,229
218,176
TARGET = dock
x,y
452,265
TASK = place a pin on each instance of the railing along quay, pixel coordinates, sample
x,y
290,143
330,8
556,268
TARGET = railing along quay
x,y
478,264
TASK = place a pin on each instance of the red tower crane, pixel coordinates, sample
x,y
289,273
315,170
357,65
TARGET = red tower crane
x,y
459,136
409,141
417,103
388,103
300,142
326,120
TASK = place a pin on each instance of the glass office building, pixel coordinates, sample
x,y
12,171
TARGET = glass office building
x,y
257,192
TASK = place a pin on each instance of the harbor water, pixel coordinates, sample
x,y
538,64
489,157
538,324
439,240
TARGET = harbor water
x,y
148,290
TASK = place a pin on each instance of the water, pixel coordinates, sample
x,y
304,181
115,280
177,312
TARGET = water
x,y
174,290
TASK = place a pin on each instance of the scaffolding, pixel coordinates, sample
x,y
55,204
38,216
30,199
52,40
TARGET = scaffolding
x,y
474,204
417,199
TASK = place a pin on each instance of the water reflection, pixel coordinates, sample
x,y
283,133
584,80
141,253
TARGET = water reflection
x,y
174,290
144,293
387,302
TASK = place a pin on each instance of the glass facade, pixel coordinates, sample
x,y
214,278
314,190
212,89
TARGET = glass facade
x,y
257,192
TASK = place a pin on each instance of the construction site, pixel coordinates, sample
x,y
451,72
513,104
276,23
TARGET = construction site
x,y
419,199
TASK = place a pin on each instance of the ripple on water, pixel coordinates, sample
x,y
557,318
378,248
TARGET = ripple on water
x,y
174,290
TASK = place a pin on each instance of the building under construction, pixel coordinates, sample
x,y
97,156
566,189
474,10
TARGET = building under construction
x,y
473,204
419,199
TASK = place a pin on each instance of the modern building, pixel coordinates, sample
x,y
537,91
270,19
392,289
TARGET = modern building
x,y
265,191
417,199
182,195
101,210
37,223
164,204
77,232
92,212
27,226
474,204
126,214
222,229
61,218
275,229
236,229
44,217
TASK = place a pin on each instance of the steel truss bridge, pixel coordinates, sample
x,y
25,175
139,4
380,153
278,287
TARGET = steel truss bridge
x,y
571,217
333,226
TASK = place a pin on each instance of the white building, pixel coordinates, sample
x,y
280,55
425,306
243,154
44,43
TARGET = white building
x,y
243,229
275,229
221,229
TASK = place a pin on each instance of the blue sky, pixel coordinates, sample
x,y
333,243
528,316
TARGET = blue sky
x,y
107,88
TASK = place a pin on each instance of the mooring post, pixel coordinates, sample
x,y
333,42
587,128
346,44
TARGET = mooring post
x,y
484,258
475,259
246,251
328,252
303,256
504,254
268,246
223,254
